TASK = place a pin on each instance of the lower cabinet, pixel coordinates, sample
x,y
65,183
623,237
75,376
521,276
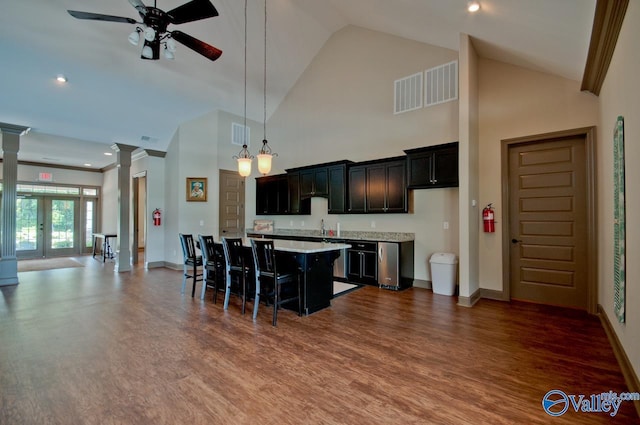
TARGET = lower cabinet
x,y
362,262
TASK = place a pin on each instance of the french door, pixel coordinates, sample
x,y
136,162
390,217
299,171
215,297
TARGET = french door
x,y
48,226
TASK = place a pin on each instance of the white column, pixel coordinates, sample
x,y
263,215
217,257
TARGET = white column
x,y
123,162
10,146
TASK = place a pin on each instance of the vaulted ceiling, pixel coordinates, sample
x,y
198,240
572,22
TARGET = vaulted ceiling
x,y
114,96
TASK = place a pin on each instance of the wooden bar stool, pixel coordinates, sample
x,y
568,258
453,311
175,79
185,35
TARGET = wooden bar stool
x,y
190,260
270,282
235,267
213,262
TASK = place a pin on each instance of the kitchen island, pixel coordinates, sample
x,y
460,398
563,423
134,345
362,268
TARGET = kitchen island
x,y
314,260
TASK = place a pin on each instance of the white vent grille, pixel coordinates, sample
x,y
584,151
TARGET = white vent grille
x,y
237,134
441,84
408,93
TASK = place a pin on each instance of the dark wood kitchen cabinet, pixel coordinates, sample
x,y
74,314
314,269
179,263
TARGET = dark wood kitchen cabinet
x,y
386,187
272,195
314,182
357,189
378,187
297,205
362,262
433,166
337,176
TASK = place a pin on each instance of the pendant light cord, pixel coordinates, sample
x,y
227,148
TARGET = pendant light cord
x,y
264,125
245,73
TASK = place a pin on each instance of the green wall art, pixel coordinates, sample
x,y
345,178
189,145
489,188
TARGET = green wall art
x,y
619,262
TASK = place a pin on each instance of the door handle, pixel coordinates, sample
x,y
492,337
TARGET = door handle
x,y
516,240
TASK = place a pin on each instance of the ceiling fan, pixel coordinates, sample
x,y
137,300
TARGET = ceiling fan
x,y
154,27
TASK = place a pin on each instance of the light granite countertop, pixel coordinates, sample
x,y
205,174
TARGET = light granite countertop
x,y
344,235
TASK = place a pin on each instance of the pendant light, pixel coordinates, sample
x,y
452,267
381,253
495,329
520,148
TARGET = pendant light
x,y
244,157
265,155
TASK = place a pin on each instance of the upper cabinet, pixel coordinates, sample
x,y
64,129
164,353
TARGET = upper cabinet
x,y
337,175
297,205
357,189
272,195
378,187
328,180
433,166
387,187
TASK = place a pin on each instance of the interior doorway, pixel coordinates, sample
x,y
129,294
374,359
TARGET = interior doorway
x,y
549,237
139,203
231,204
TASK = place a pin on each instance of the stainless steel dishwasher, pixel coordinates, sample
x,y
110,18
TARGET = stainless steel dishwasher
x,y
389,265
340,265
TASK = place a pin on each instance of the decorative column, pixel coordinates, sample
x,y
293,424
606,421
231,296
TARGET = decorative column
x,y
123,163
10,146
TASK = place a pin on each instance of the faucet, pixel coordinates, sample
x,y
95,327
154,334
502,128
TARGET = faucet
x,y
323,231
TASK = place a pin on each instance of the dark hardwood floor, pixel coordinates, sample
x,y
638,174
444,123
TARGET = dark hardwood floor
x,y
90,346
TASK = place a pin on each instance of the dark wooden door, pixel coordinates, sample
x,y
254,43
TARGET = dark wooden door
x,y
357,190
337,189
445,167
396,187
376,188
548,222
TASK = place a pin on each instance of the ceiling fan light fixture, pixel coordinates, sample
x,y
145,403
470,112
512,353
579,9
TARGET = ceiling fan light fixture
x,y
168,54
147,52
134,37
170,45
149,34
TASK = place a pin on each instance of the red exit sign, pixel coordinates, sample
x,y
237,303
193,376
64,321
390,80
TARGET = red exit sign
x,y
45,177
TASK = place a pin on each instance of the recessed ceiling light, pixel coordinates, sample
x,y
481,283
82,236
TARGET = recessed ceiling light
x,y
61,78
473,6
87,165
108,153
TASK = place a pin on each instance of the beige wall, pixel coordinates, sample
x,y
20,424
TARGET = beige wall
x,y
620,95
518,102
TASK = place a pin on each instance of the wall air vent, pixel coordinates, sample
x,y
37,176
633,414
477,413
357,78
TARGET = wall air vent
x,y
408,93
237,134
441,84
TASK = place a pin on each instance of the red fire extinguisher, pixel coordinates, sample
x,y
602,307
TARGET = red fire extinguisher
x,y
488,220
157,216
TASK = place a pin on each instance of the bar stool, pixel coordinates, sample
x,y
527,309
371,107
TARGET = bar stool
x,y
270,282
235,267
213,263
190,259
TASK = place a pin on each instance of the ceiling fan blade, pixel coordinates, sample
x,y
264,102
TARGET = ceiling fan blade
x,y
192,11
140,7
100,17
196,45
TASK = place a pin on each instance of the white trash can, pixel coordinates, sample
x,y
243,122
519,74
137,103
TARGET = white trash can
x,y
443,273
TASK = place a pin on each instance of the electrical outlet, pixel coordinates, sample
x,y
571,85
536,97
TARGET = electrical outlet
x,y
290,223
373,224
302,223
445,225
201,223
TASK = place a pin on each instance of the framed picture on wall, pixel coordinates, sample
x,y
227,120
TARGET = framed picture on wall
x,y
197,189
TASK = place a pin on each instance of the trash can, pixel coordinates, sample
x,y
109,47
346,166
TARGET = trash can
x,y
443,273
